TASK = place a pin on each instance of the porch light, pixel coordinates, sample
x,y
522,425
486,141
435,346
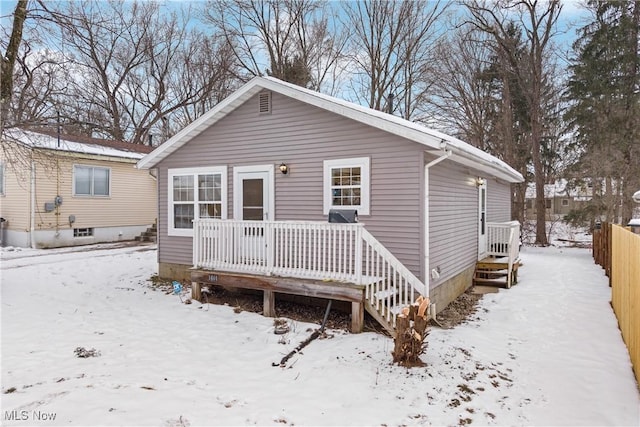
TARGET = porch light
x,y
284,169
479,181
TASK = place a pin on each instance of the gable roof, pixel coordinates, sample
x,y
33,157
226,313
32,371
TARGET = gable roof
x,y
434,141
43,139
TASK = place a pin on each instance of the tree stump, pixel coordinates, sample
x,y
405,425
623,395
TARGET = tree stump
x,y
411,334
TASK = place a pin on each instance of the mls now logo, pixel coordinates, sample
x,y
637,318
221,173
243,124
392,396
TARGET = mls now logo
x,y
16,415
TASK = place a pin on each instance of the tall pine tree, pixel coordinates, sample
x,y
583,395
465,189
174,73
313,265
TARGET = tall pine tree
x,y
605,93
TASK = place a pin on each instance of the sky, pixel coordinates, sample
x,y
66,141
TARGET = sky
x,y
548,351
573,13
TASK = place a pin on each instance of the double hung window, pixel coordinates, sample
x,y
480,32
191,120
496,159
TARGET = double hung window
x,y
195,193
346,184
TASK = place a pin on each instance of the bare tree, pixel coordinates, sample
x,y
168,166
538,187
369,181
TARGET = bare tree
x,y
463,104
40,81
298,41
133,67
538,19
9,59
208,66
391,52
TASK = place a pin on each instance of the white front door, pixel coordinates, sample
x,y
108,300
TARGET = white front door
x,y
482,220
253,201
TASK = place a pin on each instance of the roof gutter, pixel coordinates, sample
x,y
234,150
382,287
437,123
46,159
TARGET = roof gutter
x,y
502,171
446,153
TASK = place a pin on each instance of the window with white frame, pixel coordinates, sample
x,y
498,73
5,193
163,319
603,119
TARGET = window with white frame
x,y
91,181
195,193
346,184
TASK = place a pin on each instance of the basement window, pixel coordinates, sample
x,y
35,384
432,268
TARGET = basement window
x,y
264,101
82,232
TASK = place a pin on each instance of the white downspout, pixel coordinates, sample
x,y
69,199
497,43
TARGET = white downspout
x,y
32,226
427,271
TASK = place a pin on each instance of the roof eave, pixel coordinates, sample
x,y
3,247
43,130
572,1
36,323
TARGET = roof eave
x,y
200,125
463,153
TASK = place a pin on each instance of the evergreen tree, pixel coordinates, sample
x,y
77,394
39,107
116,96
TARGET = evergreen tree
x,y
605,91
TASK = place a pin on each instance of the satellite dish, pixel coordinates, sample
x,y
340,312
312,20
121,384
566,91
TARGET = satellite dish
x,y
636,196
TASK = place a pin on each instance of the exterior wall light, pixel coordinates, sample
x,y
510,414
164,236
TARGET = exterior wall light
x,y
479,182
284,169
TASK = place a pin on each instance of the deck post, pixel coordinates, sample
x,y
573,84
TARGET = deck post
x,y
196,293
357,317
269,304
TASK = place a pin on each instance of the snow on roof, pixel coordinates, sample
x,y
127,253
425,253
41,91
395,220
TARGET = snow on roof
x,y
77,144
461,151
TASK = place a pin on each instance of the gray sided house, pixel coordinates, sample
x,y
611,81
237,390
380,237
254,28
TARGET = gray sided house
x,y
425,201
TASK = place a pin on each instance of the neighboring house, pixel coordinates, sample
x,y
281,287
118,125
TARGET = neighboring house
x,y
71,191
245,194
559,199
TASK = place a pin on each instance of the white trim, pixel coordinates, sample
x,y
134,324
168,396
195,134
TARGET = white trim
x,y
91,184
482,238
188,232
269,169
364,163
432,139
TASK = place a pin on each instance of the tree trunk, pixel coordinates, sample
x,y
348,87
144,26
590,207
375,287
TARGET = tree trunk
x,y
9,60
518,200
411,332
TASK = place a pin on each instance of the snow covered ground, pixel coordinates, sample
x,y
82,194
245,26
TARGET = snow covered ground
x,y
546,352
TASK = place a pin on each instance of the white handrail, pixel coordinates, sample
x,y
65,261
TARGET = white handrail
x,y
308,250
303,249
503,240
395,287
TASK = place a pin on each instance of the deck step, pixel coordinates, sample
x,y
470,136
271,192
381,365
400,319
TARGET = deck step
x,y
491,273
495,272
492,282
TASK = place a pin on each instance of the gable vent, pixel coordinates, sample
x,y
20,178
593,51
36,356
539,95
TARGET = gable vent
x,y
265,102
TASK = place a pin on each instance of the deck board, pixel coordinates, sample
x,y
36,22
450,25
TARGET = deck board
x,y
325,289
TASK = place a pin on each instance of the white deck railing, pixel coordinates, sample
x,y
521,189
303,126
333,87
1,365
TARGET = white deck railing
x,y
308,250
503,240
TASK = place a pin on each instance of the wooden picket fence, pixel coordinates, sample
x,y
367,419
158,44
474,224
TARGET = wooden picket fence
x,y
618,252
602,248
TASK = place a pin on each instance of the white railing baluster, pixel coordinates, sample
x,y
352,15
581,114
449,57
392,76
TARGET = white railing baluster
x,y
314,250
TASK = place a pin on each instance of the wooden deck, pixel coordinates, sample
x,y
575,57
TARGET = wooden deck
x,y
270,285
341,261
